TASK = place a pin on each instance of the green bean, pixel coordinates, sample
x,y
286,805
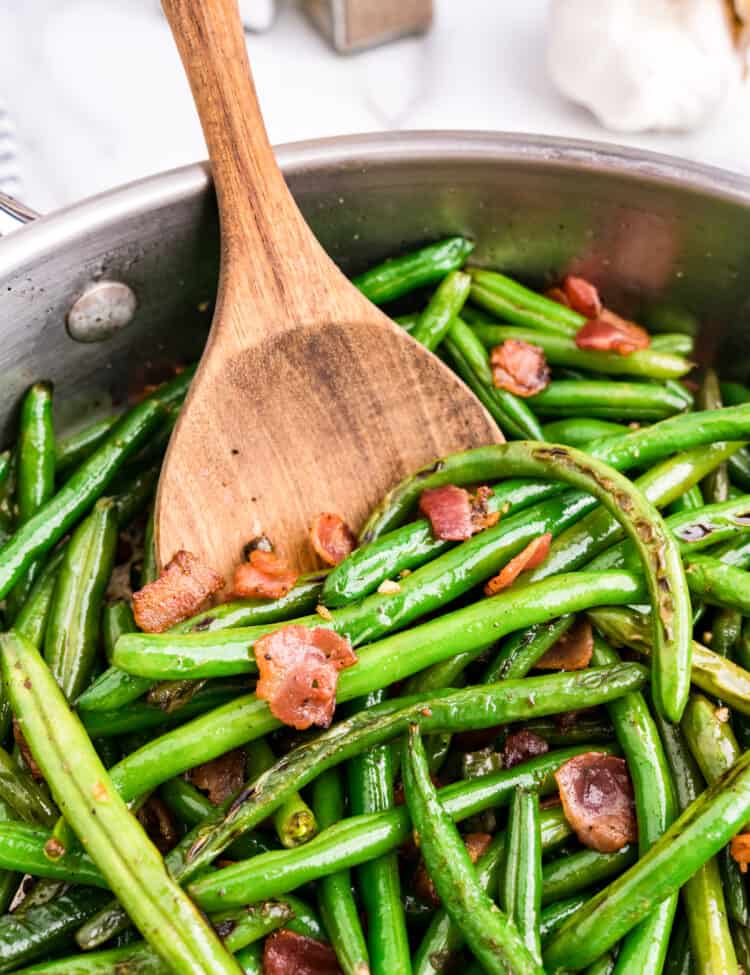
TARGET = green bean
x,y
578,871
149,566
117,618
400,275
691,500
592,534
294,820
553,916
446,303
661,560
491,936
72,450
469,709
676,387
719,584
716,484
579,431
725,630
559,350
22,848
710,672
27,799
605,399
80,491
370,778
190,807
675,342
738,466
521,885
645,947
693,530
72,634
45,929
141,716
733,394
250,959
335,900
734,551
244,927
715,749
443,938
114,688
679,958
693,839
519,653
108,832
741,941
411,545
35,475
470,361
710,938
31,621
133,494
513,302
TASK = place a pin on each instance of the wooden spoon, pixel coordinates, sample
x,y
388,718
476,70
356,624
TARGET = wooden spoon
x,y
308,398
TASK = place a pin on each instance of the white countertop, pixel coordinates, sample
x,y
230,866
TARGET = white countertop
x,y
98,95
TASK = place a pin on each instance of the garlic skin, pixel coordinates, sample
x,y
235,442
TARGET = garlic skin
x,y
642,64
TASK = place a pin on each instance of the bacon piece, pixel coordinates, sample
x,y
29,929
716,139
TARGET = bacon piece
x,y
221,778
597,798
522,745
183,587
610,333
528,558
476,844
157,821
263,576
455,514
299,673
519,367
288,953
740,850
23,745
582,296
557,294
332,538
572,651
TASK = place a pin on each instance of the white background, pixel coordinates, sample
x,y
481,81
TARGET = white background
x,y
98,96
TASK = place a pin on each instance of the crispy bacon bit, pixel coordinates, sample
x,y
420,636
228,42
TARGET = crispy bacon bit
x,y
597,798
519,367
610,333
332,538
572,651
221,778
183,587
522,745
158,823
299,673
20,740
740,850
558,295
264,576
476,844
288,953
455,514
533,555
582,296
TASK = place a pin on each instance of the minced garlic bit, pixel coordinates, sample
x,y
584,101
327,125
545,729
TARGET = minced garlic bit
x,y
722,714
324,612
389,587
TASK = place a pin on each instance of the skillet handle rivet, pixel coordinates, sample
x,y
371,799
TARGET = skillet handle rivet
x,y
101,311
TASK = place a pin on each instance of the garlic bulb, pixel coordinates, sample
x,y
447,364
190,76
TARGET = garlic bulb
x,y
643,64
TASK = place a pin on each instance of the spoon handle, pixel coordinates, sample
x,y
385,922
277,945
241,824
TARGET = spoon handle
x,y
258,214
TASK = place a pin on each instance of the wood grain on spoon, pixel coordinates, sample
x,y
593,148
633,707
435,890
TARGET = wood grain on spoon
x,y
308,398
